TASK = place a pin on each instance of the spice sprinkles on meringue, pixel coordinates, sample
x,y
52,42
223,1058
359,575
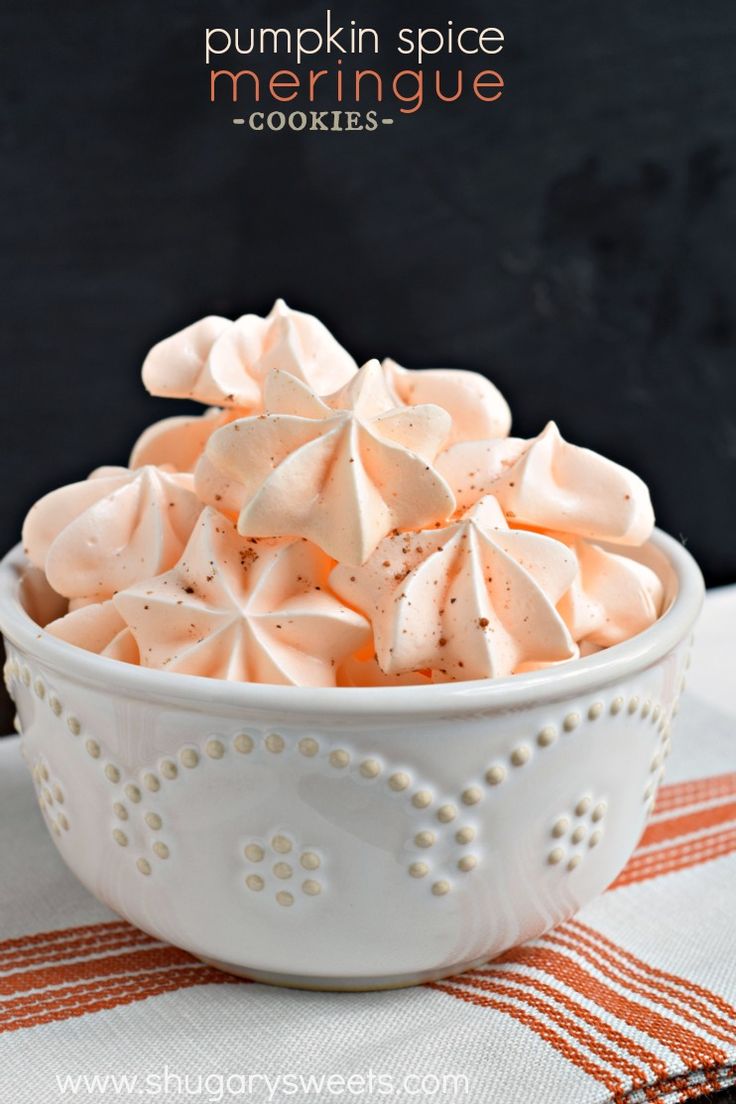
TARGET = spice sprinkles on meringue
x,y
325,524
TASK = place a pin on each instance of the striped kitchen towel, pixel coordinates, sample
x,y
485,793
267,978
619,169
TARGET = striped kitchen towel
x,y
632,1000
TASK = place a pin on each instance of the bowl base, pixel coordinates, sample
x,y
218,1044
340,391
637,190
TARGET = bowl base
x,y
343,984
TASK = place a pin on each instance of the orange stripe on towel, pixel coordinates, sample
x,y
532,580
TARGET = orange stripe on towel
x,y
690,987
678,795
78,948
688,823
692,1048
502,982
61,935
668,860
562,1045
73,1001
104,966
690,1008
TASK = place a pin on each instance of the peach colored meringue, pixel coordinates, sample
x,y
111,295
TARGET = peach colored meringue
x,y
223,363
548,483
177,443
324,525
611,598
243,609
343,471
477,408
473,600
97,627
118,526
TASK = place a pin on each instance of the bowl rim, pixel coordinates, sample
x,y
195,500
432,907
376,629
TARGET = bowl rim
x,y
575,676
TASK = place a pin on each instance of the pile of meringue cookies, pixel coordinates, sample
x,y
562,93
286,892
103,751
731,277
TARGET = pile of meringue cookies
x,y
322,524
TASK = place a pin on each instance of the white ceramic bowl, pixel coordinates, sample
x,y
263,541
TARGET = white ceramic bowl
x,y
348,838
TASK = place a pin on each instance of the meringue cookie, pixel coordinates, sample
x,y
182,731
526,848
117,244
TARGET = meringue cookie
x,y
118,526
224,363
477,408
343,471
177,443
97,627
612,597
555,485
473,600
472,467
462,553
79,603
248,610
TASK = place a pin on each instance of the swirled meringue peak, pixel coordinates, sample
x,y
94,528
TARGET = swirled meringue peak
x,y
223,363
97,627
243,609
548,483
95,537
177,443
612,597
472,600
343,470
477,408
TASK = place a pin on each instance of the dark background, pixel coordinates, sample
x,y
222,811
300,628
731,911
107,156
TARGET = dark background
x,y
575,240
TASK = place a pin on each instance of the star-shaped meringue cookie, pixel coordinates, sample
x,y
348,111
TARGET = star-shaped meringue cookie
x,y
472,600
548,483
177,443
224,363
612,598
344,470
97,627
477,408
243,609
97,536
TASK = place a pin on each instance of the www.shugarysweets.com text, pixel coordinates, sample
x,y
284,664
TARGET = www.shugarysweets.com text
x,y
346,76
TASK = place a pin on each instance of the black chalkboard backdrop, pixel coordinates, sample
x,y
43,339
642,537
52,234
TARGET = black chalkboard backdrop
x,y
574,240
